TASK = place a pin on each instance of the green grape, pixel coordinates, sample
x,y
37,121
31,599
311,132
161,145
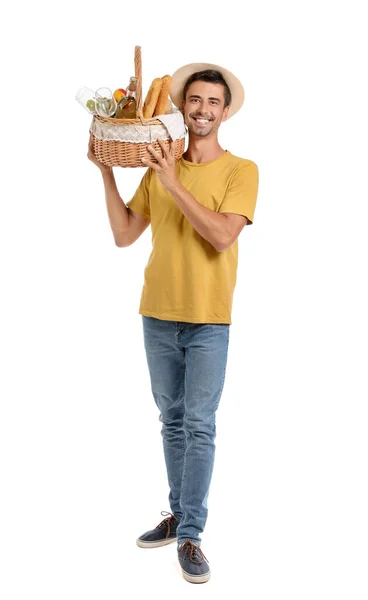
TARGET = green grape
x,y
91,105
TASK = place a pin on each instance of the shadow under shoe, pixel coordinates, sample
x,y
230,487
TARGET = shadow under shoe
x,y
163,534
194,564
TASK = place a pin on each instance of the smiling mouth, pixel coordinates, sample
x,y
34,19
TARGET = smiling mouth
x,y
201,120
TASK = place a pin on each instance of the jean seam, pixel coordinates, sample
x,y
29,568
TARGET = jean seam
x,y
182,399
225,366
184,464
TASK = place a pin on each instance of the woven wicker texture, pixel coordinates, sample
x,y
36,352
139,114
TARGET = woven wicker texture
x,y
127,154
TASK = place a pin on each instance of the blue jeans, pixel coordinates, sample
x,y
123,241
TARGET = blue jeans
x,y
187,364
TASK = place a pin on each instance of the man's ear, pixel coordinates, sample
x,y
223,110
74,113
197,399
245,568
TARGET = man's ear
x,y
182,106
225,114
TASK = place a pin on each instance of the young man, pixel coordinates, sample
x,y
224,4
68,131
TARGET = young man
x,y
197,207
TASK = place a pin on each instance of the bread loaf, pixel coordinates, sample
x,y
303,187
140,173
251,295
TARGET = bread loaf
x,y
152,98
163,97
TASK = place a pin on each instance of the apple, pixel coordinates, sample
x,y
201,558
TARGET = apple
x,y
119,94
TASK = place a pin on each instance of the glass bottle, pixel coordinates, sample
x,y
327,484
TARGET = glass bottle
x,y
127,107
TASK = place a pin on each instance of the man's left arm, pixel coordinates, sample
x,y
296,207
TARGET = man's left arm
x,y
220,230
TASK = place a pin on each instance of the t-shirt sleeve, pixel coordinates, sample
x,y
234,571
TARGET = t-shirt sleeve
x,y
140,201
241,195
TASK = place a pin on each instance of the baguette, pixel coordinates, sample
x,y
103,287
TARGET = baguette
x,y
163,97
151,98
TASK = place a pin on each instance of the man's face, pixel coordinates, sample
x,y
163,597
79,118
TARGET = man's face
x,y
203,109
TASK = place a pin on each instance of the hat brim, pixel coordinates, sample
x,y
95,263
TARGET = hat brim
x,y
181,76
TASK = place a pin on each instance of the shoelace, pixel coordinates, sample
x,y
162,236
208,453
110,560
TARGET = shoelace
x,y
171,520
193,551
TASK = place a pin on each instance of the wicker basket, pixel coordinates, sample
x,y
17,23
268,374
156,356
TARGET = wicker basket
x,y
129,154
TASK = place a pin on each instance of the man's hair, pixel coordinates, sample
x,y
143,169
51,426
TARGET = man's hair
x,y
211,76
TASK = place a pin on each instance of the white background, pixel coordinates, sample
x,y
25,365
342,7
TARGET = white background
x,y
82,467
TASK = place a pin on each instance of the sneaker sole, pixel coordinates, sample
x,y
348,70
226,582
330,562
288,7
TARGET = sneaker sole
x,y
157,544
196,578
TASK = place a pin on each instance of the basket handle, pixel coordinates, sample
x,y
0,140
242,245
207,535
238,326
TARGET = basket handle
x,y
138,74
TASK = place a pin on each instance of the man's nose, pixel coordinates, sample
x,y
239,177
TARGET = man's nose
x,y
204,107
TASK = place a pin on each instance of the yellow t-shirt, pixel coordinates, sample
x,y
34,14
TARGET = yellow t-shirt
x,y
186,279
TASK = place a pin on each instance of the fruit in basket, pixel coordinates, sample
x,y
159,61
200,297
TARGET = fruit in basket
x,y
91,105
119,94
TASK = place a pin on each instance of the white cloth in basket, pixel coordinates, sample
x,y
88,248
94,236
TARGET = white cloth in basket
x,y
174,123
172,126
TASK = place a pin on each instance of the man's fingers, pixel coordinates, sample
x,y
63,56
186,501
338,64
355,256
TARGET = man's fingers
x,y
148,163
152,151
165,149
161,142
157,155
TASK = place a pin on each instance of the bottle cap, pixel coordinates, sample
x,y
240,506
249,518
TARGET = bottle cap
x,y
133,84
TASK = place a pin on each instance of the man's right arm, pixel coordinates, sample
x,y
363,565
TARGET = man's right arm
x,y
126,225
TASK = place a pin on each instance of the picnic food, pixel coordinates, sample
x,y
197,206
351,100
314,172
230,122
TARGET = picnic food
x,y
105,102
163,97
127,106
119,94
91,105
121,136
152,97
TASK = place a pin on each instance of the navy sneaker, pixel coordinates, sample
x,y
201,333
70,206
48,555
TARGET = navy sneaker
x,y
193,562
164,533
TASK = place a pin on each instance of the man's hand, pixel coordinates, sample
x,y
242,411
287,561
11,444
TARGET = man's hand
x,y
165,166
92,157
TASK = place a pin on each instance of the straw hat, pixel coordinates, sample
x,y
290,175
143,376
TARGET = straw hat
x,y
181,75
